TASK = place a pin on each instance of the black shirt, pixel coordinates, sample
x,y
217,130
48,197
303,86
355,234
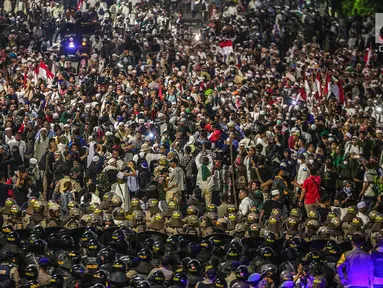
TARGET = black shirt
x,y
270,205
323,213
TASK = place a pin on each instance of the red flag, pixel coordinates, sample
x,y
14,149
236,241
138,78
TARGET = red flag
x,y
45,72
367,56
160,92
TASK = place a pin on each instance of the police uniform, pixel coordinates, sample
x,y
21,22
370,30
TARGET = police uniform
x,y
9,271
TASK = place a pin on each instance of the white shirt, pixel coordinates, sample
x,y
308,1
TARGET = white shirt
x,y
364,218
244,207
94,199
303,173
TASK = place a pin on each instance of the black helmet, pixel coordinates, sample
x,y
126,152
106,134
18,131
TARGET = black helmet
x,y
7,229
181,280
107,255
295,242
100,276
64,261
335,252
220,282
144,284
77,271
313,256
232,254
66,242
13,237
236,243
379,238
158,277
38,246
148,243
31,272
7,255
32,284
158,248
75,257
38,230
52,240
242,273
87,236
56,281
118,235
270,238
269,269
206,244
172,243
121,246
118,273
266,253
137,279
194,267
93,247
286,275
145,255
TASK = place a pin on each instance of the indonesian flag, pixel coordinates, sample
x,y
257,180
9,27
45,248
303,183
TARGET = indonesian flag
x,y
367,56
327,85
338,91
226,47
305,90
42,71
317,87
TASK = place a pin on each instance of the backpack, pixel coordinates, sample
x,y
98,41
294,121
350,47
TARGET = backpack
x,y
102,180
43,161
375,185
140,160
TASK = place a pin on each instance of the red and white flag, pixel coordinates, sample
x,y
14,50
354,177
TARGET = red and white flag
x,y
338,91
42,71
317,87
305,90
327,85
367,56
226,47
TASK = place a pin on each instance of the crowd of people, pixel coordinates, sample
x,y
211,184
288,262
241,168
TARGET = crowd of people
x,y
246,153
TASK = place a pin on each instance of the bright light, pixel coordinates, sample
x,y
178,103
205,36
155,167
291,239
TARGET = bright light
x,y
119,64
71,45
83,43
197,36
379,109
294,102
151,135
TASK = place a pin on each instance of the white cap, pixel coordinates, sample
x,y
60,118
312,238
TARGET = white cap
x,y
95,159
120,175
111,161
361,205
349,136
33,161
275,192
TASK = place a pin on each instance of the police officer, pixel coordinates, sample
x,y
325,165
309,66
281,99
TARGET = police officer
x,y
145,266
15,218
157,279
117,276
105,258
54,215
205,253
9,272
38,217
194,270
6,210
72,221
180,280
90,258
175,224
37,250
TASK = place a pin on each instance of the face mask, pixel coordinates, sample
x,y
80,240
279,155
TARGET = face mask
x,y
279,122
311,161
345,162
299,161
347,189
